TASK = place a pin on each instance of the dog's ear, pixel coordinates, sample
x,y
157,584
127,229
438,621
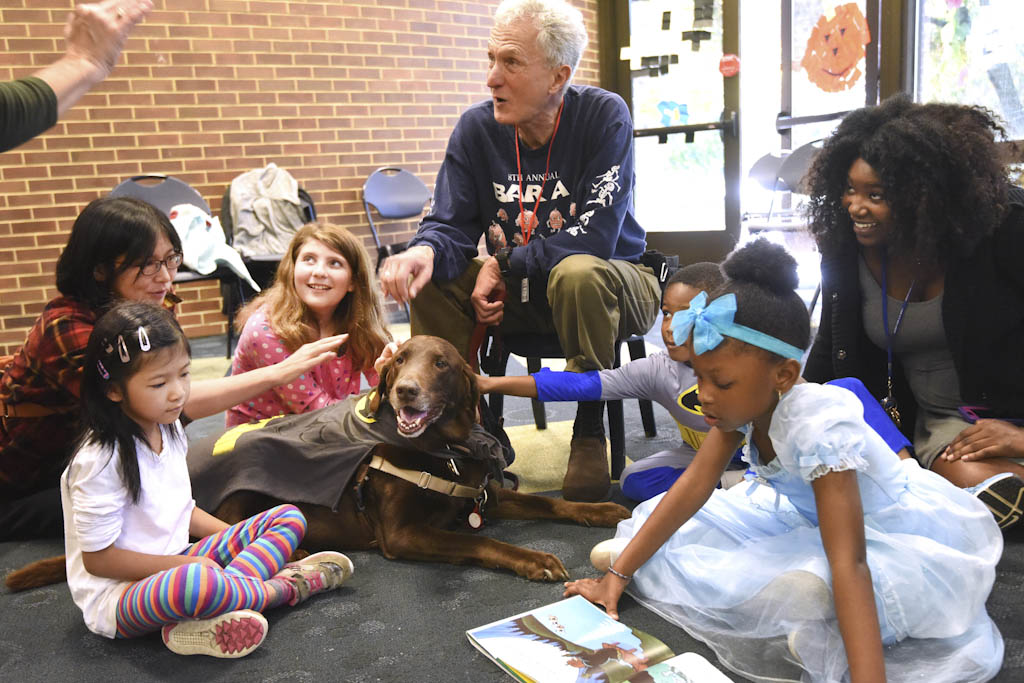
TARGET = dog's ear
x,y
381,396
470,391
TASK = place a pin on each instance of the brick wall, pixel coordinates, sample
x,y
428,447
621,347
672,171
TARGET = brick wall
x,y
207,89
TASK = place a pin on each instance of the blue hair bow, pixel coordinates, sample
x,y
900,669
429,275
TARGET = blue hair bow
x,y
711,322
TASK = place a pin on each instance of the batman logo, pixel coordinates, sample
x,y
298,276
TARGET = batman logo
x,y
689,402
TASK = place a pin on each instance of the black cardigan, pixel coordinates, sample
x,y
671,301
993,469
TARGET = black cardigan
x,y
982,313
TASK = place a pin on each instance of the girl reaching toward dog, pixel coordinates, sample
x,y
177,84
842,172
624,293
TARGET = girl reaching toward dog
x,y
666,378
129,511
322,288
849,547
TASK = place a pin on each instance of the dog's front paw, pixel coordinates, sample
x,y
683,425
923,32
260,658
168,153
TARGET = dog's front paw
x,y
543,567
600,514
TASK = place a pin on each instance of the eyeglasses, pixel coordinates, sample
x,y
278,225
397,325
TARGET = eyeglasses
x,y
153,267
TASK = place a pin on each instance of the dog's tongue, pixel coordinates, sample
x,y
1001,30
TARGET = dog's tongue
x,y
411,415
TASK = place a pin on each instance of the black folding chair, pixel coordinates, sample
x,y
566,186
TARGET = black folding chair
x,y
166,192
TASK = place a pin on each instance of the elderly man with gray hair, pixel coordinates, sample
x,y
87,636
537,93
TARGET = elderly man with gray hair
x,y
544,169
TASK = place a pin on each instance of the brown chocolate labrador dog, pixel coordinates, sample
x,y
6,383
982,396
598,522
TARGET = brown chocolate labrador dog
x,y
399,469
424,469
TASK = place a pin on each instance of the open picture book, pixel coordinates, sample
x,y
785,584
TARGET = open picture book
x,y
573,641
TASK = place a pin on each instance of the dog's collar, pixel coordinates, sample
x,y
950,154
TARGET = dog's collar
x,y
426,480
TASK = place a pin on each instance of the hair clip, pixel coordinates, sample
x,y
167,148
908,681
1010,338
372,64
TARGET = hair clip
x,y
144,344
108,348
103,371
122,349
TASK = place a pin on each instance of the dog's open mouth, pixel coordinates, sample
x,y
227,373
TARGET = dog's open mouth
x,y
412,422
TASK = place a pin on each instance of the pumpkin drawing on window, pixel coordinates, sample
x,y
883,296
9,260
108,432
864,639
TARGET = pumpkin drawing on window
x,y
835,48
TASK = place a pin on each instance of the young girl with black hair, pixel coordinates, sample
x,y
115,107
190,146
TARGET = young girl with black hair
x,y
665,378
120,249
841,549
129,511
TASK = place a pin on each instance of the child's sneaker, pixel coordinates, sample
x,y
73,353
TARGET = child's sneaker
x,y
1004,496
230,635
605,553
317,573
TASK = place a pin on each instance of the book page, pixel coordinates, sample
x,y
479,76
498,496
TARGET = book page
x,y
688,667
572,641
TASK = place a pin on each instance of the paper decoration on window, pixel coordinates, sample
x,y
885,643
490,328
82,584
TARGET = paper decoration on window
x,y
661,48
658,52
835,49
703,14
673,113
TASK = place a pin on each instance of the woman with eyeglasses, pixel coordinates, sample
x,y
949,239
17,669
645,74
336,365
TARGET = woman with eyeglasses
x,y
119,249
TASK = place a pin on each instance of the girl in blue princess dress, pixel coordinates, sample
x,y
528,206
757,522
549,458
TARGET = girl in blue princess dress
x,y
843,562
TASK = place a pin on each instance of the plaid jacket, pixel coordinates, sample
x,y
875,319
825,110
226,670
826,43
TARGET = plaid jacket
x,y
47,370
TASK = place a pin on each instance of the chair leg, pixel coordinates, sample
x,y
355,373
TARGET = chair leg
x,y
638,350
496,400
232,307
230,335
617,437
616,425
229,305
540,418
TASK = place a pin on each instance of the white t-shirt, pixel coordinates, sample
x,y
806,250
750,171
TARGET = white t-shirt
x,y
98,512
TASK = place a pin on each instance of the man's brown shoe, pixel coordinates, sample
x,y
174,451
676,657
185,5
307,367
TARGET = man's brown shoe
x,y
586,477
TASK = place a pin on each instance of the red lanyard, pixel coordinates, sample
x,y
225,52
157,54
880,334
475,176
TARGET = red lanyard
x,y
527,225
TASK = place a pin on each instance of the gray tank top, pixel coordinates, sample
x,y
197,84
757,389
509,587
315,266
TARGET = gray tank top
x,y
920,344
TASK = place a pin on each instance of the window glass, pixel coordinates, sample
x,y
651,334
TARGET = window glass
x,y
971,51
828,47
680,185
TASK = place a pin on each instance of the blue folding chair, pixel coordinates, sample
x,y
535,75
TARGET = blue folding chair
x,y
163,192
396,194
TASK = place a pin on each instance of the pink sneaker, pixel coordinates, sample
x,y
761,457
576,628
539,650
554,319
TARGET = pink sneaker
x,y
230,635
317,573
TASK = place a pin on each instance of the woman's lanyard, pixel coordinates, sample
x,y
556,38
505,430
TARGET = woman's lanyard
x,y
527,224
889,402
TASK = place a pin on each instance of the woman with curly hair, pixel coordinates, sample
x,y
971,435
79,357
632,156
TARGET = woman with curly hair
x,y
323,287
921,238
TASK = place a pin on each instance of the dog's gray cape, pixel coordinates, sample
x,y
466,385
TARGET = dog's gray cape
x,y
310,458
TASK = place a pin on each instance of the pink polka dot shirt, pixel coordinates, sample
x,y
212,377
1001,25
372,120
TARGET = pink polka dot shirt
x,y
327,383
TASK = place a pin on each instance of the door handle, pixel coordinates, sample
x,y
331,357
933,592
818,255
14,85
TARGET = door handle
x,y
728,124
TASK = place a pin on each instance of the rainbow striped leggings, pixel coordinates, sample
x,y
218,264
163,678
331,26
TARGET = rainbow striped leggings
x,y
250,552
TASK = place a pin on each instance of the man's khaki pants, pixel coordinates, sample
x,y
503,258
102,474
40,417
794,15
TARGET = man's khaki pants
x,y
588,302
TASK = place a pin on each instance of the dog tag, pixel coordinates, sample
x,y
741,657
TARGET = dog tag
x,y
474,520
524,290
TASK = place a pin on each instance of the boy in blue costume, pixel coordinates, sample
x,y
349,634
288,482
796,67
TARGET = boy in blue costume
x,y
667,379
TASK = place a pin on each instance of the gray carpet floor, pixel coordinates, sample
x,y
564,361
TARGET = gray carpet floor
x,y
393,621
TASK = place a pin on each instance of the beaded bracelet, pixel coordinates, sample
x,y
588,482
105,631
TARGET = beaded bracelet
x,y
620,574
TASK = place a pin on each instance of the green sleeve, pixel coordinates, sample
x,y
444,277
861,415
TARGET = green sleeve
x,y
28,106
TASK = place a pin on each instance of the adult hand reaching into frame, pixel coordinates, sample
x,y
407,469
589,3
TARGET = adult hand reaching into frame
x,y
95,34
403,275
